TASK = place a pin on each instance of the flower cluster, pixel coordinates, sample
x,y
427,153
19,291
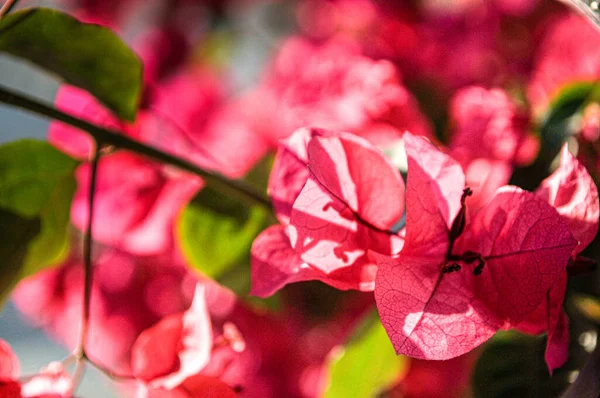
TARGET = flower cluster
x,y
392,132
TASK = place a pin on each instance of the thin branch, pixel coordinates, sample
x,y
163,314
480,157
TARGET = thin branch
x,y
7,7
78,374
87,258
233,188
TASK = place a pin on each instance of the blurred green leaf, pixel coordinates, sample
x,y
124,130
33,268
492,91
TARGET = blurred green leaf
x,y
556,126
15,236
367,364
216,233
512,365
30,171
36,189
88,56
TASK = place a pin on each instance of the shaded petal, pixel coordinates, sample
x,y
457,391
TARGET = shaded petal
x,y
526,246
571,190
275,264
360,175
9,363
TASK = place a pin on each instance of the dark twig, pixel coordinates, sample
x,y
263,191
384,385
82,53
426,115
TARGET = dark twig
x,y
233,188
87,258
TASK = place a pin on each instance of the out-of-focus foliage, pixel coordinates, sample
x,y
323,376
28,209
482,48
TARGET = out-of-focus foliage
x,y
216,232
512,365
85,55
366,365
36,187
505,83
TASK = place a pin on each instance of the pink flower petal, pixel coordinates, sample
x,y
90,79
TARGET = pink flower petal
x,y
275,264
9,363
557,348
82,104
571,190
432,314
290,172
360,175
523,260
180,344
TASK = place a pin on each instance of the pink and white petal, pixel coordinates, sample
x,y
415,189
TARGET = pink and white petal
x,y
437,173
360,175
53,380
275,263
289,172
572,191
427,314
154,353
196,342
323,230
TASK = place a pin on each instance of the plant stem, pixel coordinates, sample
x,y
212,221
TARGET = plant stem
x,y
7,7
234,188
87,257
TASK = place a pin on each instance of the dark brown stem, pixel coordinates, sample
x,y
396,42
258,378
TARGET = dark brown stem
x,y
233,188
87,257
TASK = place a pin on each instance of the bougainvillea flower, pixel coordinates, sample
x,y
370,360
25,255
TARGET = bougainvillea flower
x,y
50,382
137,199
329,192
450,290
177,347
573,193
331,86
488,124
136,202
489,137
562,58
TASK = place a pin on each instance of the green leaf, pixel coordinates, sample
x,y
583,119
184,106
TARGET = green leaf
x,y
30,170
36,189
561,121
216,233
557,124
366,366
512,365
15,236
88,56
